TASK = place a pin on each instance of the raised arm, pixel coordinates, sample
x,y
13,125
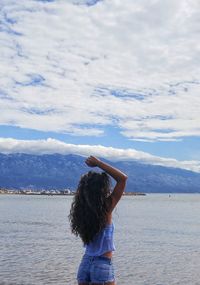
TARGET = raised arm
x,y
118,175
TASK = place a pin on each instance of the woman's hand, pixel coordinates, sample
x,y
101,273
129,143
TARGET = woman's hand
x,y
92,161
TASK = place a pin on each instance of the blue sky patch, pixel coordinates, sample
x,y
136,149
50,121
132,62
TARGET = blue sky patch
x,y
162,117
5,28
9,19
120,93
5,96
38,111
163,131
33,80
7,24
87,2
45,1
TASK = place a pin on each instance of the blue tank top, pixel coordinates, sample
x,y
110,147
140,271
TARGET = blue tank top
x,y
102,242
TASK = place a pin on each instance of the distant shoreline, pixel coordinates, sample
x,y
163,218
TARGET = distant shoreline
x,y
55,193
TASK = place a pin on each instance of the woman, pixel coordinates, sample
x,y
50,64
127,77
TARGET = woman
x,y
91,219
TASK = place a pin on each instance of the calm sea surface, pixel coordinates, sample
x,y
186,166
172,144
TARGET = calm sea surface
x,y
157,239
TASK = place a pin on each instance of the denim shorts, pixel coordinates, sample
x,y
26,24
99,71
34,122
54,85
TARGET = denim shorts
x,y
95,269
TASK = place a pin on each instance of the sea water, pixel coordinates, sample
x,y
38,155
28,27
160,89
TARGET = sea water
x,y
157,240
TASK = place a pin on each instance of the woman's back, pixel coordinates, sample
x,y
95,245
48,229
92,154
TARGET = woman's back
x,y
103,242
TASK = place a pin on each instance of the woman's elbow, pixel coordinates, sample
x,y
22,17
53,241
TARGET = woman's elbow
x,y
123,178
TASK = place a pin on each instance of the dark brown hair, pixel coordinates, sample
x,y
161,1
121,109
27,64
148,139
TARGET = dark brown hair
x,y
89,209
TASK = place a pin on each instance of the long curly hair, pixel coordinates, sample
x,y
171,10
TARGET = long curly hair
x,y
89,209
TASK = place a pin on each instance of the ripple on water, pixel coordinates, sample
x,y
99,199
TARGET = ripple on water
x,y
157,241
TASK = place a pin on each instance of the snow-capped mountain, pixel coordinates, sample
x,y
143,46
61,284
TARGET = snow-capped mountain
x,y
58,171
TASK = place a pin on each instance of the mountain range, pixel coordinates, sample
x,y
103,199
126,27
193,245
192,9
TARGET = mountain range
x,y
57,171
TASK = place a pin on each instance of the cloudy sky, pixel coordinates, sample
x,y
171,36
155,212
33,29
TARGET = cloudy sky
x,y
119,79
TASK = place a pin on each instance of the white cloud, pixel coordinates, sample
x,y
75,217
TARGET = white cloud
x,y
85,53
50,146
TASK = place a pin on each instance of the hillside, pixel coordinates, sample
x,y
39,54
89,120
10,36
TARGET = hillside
x,y
58,171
